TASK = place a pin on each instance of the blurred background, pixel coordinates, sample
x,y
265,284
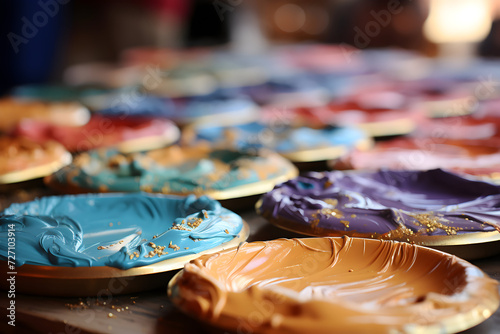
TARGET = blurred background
x,y
423,70
46,37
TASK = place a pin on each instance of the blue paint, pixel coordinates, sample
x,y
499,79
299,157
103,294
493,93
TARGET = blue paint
x,y
68,230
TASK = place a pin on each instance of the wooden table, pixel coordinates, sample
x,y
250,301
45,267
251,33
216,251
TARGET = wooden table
x,y
149,312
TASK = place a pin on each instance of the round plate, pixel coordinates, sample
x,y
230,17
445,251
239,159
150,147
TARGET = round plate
x,y
480,157
126,133
431,208
83,245
376,123
370,286
102,281
14,110
470,246
37,171
248,173
299,145
25,160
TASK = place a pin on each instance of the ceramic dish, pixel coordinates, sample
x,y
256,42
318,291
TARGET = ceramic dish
x,y
219,106
440,97
378,113
57,93
76,245
335,285
432,208
184,81
480,157
294,89
15,110
110,75
127,134
458,128
435,97
301,144
221,174
23,159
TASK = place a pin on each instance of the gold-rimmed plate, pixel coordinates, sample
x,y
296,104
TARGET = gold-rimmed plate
x,y
470,246
369,285
38,159
102,281
298,144
432,208
78,245
252,173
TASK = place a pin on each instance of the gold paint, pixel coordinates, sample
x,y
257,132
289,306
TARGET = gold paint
x,y
400,233
433,222
331,201
327,184
345,222
173,246
112,245
332,212
147,188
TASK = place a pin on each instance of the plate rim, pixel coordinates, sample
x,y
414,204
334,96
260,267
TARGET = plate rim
x,y
27,271
456,323
36,172
245,190
462,239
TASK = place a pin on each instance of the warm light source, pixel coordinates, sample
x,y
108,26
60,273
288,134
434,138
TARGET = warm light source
x,y
458,21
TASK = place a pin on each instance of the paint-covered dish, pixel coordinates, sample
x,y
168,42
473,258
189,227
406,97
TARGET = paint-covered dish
x,y
434,208
226,105
478,157
215,107
335,285
126,133
201,170
23,159
378,112
96,236
15,110
298,144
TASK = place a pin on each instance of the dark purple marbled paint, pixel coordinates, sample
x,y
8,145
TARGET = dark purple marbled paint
x,y
381,202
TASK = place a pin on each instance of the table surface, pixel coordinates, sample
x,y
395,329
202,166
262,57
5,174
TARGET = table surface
x,y
146,312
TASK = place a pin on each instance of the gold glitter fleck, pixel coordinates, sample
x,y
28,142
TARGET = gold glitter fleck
x,y
431,223
174,247
332,212
109,246
331,201
399,233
